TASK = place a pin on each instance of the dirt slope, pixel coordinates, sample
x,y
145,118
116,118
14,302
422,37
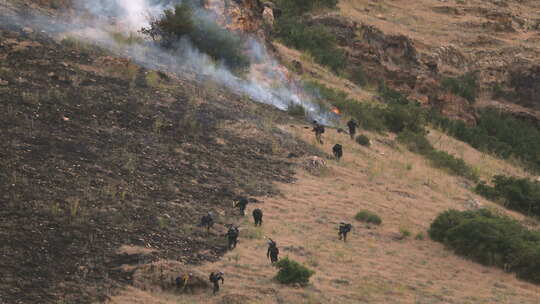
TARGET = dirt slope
x,y
99,153
375,265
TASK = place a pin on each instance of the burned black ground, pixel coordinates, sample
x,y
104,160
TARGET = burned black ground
x,y
91,161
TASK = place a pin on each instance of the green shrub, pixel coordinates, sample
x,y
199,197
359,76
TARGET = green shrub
x,y
368,217
441,159
520,194
363,140
292,272
399,117
296,110
300,7
204,33
464,86
391,96
358,76
490,239
414,142
419,236
405,233
316,40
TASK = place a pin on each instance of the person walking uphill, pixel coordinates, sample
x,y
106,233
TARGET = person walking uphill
x,y
232,236
272,252
344,228
214,278
257,217
319,130
338,151
352,128
241,205
207,221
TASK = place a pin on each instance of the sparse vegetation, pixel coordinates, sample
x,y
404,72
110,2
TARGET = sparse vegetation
x,y
292,29
496,133
404,233
440,159
464,86
368,217
490,239
316,40
520,194
291,272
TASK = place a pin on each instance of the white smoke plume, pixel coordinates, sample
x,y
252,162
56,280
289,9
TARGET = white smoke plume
x,y
267,83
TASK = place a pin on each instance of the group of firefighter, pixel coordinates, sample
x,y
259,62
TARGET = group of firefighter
x,y
241,203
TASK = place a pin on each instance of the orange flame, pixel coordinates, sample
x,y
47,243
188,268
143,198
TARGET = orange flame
x,y
336,110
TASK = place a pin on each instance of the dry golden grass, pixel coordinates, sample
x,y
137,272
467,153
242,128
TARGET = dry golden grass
x,y
374,266
486,165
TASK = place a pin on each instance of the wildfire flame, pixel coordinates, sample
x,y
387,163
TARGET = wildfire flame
x,y
336,110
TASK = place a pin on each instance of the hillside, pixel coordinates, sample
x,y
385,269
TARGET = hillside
x,y
376,265
414,47
99,152
114,149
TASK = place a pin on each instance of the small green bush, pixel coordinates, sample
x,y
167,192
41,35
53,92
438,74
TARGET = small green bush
x,y
490,239
405,233
291,272
419,236
464,86
363,140
368,217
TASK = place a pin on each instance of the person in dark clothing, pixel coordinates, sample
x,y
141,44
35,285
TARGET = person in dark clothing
x,y
215,278
338,151
344,228
207,221
272,252
257,217
241,205
319,130
232,236
352,128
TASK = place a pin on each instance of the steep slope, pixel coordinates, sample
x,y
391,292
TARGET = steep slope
x,y
413,47
377,264
107,168
499,39
98,153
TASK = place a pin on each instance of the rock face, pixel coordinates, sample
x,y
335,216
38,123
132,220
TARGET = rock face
x,y
454,107
525,80
240,15
417,73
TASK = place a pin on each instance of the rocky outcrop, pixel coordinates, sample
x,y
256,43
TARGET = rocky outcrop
x,y
454,107
525,81
240,15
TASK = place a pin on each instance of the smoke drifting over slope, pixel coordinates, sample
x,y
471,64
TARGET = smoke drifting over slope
x,y
267,82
